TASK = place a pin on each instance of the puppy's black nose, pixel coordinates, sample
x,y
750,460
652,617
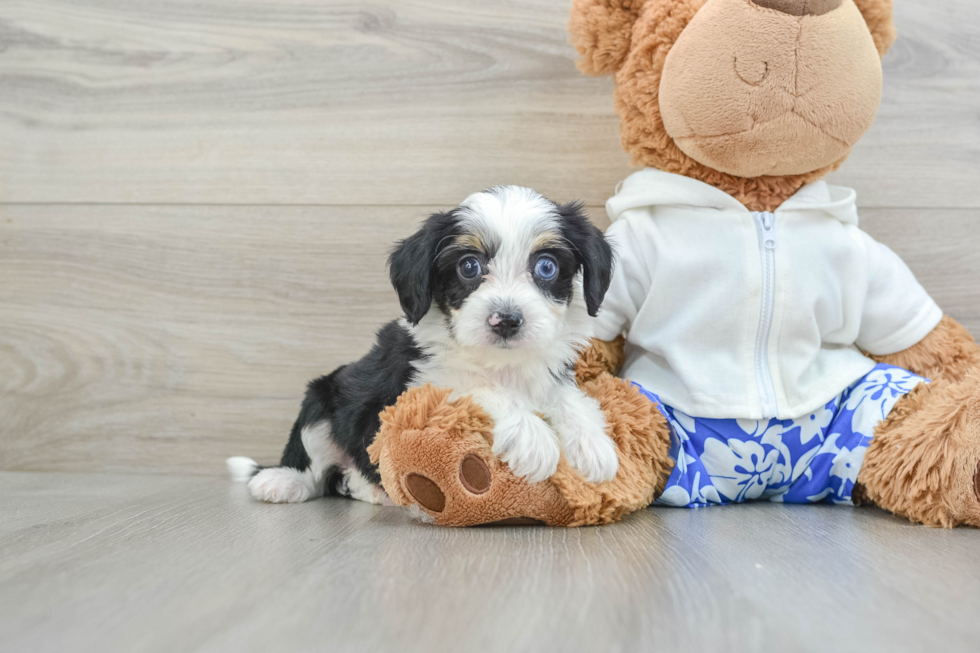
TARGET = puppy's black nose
x,y
506,324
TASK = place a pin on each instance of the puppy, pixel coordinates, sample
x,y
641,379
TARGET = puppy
x,y
498,296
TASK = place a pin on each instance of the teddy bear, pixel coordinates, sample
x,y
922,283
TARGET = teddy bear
x,y
769,349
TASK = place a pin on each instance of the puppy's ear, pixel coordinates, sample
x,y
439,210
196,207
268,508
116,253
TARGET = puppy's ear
x,y
410,265
592,252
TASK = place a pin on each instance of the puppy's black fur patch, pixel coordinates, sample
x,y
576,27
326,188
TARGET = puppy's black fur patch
x,y
592,252
410,265
449,289
424,267
351,398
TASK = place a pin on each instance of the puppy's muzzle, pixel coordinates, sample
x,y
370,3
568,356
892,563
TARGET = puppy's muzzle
x,y
506,324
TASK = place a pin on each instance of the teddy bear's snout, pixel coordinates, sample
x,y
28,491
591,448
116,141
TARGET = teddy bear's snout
x,y
800,7
771,87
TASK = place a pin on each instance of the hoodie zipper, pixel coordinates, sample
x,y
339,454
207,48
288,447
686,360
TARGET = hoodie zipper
x,y
765,223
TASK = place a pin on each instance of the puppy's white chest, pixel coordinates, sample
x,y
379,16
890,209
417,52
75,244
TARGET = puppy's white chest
x,y
530,384
463,381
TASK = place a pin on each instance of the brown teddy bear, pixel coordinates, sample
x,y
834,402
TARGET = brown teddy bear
x,y
793,358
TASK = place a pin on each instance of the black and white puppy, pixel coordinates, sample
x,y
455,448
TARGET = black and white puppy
x,y
498,295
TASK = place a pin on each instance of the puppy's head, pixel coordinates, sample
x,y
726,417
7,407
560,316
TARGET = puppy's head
x,y
504,269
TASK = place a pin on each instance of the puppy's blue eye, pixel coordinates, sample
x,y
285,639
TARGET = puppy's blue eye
x,y
469,268
546,268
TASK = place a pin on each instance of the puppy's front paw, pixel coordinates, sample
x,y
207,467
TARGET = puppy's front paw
x,y
528,446
591,452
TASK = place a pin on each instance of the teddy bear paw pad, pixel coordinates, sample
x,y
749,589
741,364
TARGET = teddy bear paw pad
x,y
474,475
426,492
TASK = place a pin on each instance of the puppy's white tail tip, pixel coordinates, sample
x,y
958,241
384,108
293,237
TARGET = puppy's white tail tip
x,y
242,469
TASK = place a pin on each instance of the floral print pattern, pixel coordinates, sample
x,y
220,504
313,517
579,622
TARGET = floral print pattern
x,y
815,458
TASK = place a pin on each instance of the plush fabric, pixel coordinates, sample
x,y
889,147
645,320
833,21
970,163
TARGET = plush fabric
x,y
800,7
743,86
426,436
878,15
924,462
601,30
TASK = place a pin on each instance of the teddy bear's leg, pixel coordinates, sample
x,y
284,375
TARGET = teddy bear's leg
x,y
924,461
600,358
436,454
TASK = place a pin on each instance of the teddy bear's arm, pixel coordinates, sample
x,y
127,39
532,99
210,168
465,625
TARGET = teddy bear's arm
x,y
599,358
948,352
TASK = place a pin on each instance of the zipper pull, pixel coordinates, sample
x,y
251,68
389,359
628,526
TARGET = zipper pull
x,y
768,230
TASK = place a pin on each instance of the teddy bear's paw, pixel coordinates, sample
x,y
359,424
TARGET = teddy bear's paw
x,y
592,454
527,445
474,475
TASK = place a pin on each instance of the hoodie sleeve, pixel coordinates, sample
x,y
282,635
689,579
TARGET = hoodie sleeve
x,y
898,312
630,283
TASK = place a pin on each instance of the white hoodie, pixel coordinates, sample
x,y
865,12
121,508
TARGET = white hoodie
x,y
734,314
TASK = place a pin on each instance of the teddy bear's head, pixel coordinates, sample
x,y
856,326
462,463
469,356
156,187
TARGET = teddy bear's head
x,y
756,97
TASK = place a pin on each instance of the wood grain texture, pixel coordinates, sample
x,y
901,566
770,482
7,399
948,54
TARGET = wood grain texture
x,y
134,336
392,102
135,563
165,339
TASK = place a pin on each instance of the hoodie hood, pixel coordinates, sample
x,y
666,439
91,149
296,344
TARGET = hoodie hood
x,y
651,187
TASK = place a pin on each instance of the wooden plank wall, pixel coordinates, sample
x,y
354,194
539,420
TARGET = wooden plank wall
x,y
197,196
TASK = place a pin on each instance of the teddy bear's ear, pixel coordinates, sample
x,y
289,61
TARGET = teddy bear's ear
x,y
878,15
601,30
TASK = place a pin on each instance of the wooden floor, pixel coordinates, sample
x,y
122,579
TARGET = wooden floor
x,y
196,202
108,563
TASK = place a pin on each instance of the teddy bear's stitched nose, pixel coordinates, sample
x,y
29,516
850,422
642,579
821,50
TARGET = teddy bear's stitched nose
x,y
800,7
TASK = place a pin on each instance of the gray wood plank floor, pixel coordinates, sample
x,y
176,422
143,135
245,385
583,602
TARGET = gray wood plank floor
x,y
159,563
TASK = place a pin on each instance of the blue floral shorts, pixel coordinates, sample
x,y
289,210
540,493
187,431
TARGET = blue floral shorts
x,y
815,458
